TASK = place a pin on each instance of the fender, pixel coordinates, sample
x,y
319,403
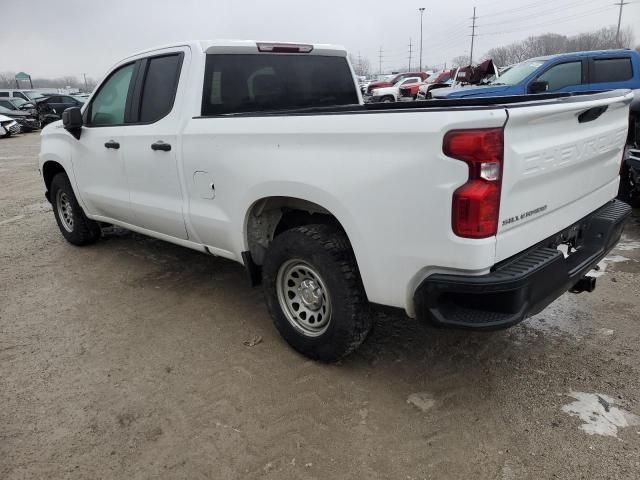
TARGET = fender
x,y
59,151
310,193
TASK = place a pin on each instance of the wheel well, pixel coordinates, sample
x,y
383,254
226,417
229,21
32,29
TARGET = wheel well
x,y
49,170
271,216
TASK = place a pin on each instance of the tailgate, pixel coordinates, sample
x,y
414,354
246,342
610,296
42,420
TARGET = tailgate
x,y
561,162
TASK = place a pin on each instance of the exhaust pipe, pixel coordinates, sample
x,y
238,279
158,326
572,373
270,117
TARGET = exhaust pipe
x,y
585,284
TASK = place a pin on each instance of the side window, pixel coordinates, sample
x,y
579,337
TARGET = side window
x,y
6,104
4,94
562,75
611,70
108,106
160,85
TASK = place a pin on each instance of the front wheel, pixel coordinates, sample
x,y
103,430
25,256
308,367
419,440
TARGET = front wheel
x,y
314,293
73,223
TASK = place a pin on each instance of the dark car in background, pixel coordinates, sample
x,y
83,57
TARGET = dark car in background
x,y
59,103
27,120
41,111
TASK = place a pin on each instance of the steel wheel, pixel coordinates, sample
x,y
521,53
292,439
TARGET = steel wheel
x,y
65,211
303,297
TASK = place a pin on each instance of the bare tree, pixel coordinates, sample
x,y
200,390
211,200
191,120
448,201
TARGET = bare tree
x,y
553,43
460,61
7,80
361,65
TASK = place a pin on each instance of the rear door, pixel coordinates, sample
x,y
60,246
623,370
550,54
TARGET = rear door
x,y
561,162
606,73
150,145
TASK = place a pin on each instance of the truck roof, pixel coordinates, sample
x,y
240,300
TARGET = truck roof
x,y
247,46
589,53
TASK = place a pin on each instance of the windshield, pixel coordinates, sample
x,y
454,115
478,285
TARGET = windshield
x,y
4,110
18,102
32,94
517,73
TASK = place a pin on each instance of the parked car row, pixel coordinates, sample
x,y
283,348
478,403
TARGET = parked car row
x,y
31,110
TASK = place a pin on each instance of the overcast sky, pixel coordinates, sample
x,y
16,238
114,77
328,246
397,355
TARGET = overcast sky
x,y
71,37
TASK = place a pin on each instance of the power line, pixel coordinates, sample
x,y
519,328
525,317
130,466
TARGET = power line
x,y
529,17
473,35
547,23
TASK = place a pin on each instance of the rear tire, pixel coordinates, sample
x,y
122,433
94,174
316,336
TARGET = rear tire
x,y
629,190
74,225
314,293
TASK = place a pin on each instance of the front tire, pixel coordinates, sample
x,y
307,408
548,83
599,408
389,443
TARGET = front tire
x,y
74,225
314,293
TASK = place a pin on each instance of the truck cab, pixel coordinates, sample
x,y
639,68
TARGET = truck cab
x,y
568,72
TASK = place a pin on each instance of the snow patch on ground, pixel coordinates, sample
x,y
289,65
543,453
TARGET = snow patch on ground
x,y
599,414
422,401
602,266
626,245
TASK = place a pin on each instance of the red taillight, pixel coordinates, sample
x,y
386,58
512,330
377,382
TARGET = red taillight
x,y
284,48
476,204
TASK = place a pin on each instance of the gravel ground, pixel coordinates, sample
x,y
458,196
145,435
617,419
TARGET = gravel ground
x,y
127,359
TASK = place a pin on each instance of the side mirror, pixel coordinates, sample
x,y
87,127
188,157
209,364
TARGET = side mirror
x,y
538,87
72,121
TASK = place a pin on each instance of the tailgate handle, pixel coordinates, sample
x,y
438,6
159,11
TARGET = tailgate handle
x,y
592,114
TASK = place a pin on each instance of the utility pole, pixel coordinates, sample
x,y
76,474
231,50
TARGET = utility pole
x,y
380,60
410,53
86,89
621,4
473,35
421,9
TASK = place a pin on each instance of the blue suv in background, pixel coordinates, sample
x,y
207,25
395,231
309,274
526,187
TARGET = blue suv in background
x,y
566,72
573,73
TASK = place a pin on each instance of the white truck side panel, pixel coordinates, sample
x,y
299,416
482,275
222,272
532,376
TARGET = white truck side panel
x,y
382,175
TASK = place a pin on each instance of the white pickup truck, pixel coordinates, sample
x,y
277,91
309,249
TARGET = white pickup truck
x,y
470,213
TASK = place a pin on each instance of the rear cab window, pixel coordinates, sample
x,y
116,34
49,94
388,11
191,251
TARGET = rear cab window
x,y
263,82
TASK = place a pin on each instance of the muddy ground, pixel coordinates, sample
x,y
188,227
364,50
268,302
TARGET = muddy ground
x,y
127,360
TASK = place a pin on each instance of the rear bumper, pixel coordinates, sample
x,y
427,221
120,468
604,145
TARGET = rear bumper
x,y
526,283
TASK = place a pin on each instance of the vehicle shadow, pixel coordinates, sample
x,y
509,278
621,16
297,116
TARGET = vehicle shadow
x,y
394,339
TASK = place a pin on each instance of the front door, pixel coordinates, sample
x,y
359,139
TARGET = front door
x,y
569,76
97,156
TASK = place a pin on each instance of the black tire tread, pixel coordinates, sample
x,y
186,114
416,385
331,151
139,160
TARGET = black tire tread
x,y
358,322
85,230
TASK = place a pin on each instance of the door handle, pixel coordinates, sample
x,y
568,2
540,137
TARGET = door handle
x,y
112,144
160,145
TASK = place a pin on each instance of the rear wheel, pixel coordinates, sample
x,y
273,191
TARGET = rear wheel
x,y
73,223
629,185
314,293
388,99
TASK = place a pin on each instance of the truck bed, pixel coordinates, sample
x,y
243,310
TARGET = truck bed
x,y
433,105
